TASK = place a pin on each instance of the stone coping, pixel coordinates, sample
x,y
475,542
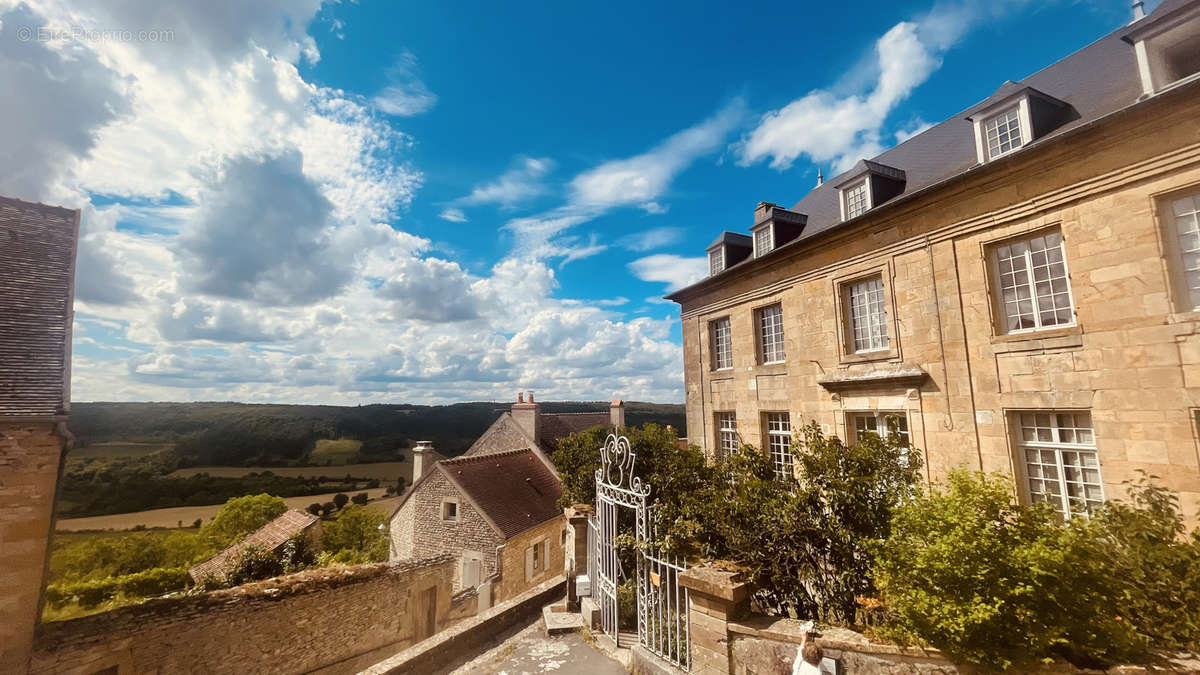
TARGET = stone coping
x,y
467,636
788,630
276,588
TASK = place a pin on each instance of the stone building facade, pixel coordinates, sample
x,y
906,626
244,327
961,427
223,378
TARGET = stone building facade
x,y
1013,289
37,280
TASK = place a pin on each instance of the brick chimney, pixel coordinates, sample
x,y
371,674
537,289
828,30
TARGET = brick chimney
x,y
526,414
423,460
616,413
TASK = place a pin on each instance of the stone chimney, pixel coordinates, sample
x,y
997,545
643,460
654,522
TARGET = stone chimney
x,y
422,459
616,413
526,414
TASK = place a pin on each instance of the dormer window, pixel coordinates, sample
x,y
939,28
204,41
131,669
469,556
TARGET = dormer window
x,y
1003,132
716,261
856,199
1014,117
764,241
868,185
1165,47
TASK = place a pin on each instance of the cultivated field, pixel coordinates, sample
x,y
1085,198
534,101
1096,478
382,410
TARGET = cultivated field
x,y
384,471
341,451
184,514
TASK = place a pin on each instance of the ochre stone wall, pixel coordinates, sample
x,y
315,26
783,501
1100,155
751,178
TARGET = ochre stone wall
x,y
430,535
1132,359
338,619
512,578
30,455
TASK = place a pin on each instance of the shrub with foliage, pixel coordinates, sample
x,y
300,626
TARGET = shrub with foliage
x,y
151,582
357,530
994,583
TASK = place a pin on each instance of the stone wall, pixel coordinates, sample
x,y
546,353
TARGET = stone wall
x,y
512,576
431,535
1132,358
340,619
504,435
30,455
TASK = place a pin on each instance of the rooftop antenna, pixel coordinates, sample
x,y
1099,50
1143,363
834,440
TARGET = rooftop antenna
x,y
821,178
1139,10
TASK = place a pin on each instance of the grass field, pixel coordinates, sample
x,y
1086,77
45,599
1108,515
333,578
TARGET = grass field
x,y
184,514
341,451
384,471
118,449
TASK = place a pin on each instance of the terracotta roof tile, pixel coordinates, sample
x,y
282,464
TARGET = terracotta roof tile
x,y
37,279
515,489
268,537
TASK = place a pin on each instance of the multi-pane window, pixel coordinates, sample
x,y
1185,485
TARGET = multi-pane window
x,y
770,334
779,443
1002,133
1059,452
722,344
727,435
856,198
881,423
716,262
764,241
867,315
1186,213
1032,278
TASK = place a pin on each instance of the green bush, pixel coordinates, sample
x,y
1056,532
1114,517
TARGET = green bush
x,y
151,582
357,529
996,584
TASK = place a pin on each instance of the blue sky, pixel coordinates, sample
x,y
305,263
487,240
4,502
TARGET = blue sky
x,y
299,201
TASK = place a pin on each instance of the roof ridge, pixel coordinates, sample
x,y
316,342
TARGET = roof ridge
x,y
23,202
467,459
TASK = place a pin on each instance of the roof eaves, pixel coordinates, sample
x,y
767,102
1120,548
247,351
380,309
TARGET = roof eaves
x,y
1049,139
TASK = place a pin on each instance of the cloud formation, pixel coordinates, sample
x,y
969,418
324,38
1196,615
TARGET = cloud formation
x,y
406,94
673,270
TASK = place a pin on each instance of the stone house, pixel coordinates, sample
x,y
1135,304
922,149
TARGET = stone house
x,y
37,282
268,538
496,507
1016,289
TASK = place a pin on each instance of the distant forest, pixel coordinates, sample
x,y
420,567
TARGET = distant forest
x,y
240,434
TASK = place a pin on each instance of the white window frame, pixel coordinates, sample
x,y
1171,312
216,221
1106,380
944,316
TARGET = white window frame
x,y
878,338
771,343
1185,212
878,419
779,431
728,440
1003,128
442,513
716,261
850,192
722,349
1030,286
762,248
983,117
1059,448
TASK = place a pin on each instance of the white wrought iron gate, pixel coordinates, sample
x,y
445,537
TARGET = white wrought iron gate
x,y
662,616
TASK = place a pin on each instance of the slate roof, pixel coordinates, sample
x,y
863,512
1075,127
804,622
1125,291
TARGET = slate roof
x,y
557,426
268,537
37,284
1096,81
514,489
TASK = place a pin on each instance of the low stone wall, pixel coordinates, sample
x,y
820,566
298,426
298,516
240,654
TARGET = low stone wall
x,y
337,619
467,638
765,646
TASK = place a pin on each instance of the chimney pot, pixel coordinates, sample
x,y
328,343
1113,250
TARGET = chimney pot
x,y
531,397
616,413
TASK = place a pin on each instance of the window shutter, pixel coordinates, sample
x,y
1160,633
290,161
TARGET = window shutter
x,y
528,563
546,554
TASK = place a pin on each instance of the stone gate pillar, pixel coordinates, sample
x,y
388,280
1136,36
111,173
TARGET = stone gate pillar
x,y
715,597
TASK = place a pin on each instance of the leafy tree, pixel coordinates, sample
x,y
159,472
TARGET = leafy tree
x,y
327,509
197,523
242,515
314,508
358,530
339,500
360,499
